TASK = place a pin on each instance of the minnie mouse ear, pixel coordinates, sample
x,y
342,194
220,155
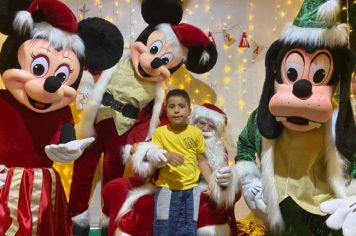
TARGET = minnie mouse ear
x,y
202,53
8,10
103,42
155,12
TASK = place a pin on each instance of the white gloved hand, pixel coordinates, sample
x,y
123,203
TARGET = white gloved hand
x,y
67,152
342,214
224,176
252,192
84,90
156,157
3,174
82,219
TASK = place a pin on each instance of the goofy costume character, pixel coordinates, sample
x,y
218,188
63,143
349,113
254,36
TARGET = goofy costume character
x,y
306,182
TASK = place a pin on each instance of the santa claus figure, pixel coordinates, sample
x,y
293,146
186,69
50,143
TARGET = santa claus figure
x,y
129,202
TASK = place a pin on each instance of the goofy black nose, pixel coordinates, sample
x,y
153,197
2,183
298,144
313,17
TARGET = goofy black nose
x,y
302,88
157,62
52,84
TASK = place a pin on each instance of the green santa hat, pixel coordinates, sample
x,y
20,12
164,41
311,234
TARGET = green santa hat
x,y
316,25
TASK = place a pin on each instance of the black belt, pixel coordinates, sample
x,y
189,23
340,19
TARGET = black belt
x,y
128,110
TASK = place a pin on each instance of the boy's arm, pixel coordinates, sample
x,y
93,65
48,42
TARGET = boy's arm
x,y
204,167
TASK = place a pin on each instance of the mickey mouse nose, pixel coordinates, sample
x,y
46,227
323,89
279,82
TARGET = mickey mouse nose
x,y
52,84
157,62
302,88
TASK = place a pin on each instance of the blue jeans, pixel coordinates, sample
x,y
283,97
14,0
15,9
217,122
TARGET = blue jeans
x,y
176,212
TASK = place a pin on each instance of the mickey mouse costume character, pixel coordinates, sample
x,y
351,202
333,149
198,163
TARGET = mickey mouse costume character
x,y
118,112
41,63
306,147
129,202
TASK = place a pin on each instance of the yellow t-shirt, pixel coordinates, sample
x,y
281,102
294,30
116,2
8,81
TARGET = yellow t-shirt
x,y
189,143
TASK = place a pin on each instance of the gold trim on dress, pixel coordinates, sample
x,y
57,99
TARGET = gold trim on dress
x,y
36,198
13,200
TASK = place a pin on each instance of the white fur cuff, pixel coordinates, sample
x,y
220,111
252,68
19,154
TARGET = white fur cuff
x,y
245,168
140,164
224,197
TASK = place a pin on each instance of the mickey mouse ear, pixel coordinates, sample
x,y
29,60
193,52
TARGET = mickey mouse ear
x,y
155,12
103,43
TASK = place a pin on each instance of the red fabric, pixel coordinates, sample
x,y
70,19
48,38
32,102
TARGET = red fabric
x,y
191,36
53,220
57,14
25,133
138,221
110,143
114,194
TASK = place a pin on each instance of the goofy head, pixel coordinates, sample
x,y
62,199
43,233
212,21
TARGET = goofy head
x,y
303,70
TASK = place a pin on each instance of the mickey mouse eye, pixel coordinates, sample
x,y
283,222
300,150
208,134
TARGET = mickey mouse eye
x,y
63,72
39,65
167,58
156,47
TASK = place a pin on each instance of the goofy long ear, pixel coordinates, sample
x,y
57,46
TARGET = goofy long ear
x,y
345,129
267,124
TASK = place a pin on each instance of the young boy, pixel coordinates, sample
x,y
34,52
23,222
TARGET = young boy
x,y
177,195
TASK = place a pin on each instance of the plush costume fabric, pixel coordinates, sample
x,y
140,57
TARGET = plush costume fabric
x,y
33,190
300,217
112,132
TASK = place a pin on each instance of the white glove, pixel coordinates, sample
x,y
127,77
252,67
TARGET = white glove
x,y
224,176
84,90
67,152
252,192
3,174
82,219
343,214
156,157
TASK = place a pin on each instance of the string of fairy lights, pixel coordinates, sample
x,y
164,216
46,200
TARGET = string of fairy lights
x,y
236,80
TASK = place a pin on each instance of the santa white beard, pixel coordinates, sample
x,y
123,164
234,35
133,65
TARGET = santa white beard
x,y
215,152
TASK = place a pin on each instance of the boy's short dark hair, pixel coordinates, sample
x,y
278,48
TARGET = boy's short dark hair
x,y
178,93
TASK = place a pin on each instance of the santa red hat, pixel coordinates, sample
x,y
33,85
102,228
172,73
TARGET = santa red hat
x,y
51,20
211,112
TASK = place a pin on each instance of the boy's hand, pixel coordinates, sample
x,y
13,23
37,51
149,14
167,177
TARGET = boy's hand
x,y
175,159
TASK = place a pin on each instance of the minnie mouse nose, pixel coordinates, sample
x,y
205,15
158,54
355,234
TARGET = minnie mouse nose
x,y
52,84
157,62
302,88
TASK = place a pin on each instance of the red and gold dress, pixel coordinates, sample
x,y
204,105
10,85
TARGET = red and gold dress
x,y
32,201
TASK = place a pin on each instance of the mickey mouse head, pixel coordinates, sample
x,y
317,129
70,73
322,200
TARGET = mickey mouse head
x,y
165,44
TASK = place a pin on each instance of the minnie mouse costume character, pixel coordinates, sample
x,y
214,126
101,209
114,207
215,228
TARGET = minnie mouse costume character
x,y
118,112
306,147
41,63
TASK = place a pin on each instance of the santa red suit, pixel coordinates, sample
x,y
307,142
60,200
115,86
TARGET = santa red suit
x,y
129,202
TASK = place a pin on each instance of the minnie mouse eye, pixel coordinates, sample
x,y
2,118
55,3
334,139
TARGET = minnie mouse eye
x,y
156,47
62,72
39,65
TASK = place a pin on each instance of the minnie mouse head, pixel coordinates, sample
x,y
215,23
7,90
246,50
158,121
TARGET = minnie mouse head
x,y
165,45
42,59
